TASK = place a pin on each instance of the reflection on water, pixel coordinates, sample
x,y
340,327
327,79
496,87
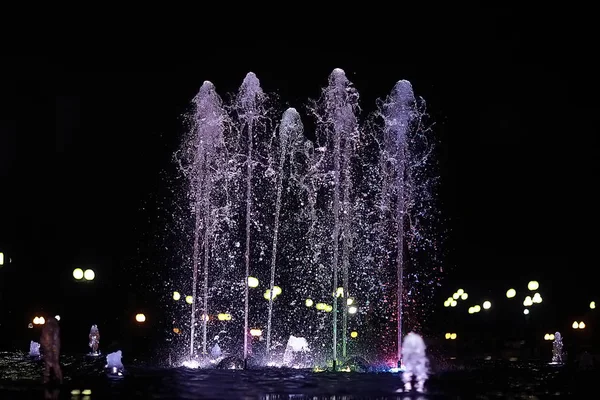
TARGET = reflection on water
x,y
85,378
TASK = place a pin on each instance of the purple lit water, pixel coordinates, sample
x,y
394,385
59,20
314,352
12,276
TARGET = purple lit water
x,y
352,204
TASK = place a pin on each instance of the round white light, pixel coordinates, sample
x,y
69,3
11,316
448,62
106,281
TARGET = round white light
x,y
352,310
533,285
89,274
252,282
176,296
78,273
487,305
140,318
526,311
510,293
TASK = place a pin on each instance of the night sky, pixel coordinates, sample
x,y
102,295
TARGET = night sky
x,y
85,141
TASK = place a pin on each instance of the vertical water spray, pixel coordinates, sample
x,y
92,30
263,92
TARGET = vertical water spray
x,y
248,103
398,112
201,161
337,122
290,132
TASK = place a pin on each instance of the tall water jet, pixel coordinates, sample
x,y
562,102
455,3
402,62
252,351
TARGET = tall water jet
x,y
406,186
290,136
202,160
398,113
337,126
249,103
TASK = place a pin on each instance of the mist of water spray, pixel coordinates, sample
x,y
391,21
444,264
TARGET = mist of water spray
x,y
337,129
202,161
354,205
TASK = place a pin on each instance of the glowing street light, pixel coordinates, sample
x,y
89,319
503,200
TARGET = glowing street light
x,y
460,292
450,336
78,273
455,296
487,305
89,275
176,296
189,299
224,317
352,310
533,285
471,310
528,302
349,301
510,293
537,298
140,318
575,325
593,305
549,336
453,303
252,282
353,334
581,325
526,311
309,303
255,332
464,296
476,308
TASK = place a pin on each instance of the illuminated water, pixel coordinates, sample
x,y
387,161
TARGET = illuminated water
x,y
20,377
331,222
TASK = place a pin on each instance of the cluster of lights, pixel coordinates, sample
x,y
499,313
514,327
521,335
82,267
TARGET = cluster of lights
x,y
549,336
452,301
451,336
578,325
224,317
529,300
276,292
39,320
77,392
80,274
477,308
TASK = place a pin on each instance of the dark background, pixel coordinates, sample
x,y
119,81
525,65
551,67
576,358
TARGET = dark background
x,y
86,140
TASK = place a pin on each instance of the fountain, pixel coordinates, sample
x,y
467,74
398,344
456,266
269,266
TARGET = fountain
x,y
114,363
557,349
335,216
94,338
34,349
415,362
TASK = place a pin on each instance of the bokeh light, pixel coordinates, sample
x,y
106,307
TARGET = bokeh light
x,y
176,296
526,311
487,305
89,274
510,293
533,285
352,310
252,282
140,318
593,305
309,303
575,325
353,334
464,296
255,332
189,299
582,325
78,273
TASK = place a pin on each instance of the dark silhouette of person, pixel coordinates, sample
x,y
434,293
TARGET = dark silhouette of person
x,y
50,344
